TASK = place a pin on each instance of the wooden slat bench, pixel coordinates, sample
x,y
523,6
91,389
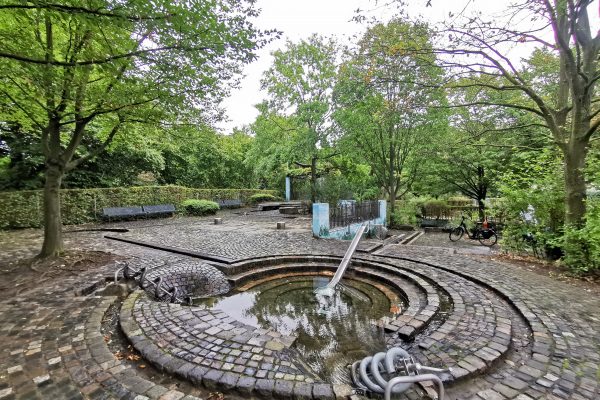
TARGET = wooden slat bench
x,y
230,203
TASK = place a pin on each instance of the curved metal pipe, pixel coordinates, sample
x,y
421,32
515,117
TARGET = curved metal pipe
x,y
364,376
399,380
391,354
117,275
144,271
376,362
157,290
355,378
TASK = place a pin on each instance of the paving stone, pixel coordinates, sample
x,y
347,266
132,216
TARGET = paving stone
x,y
172,395
322,391
490,394
245,384
283,389
265,387
15,369
41,380
481,323
211,379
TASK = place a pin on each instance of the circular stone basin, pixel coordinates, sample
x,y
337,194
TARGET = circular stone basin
x,y
332,332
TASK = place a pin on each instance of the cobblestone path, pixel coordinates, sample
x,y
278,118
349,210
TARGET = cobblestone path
x,y
507,333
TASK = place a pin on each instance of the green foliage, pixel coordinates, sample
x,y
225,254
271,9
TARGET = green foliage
x,y
23,209
199,207
435,208
537,184
388,106
299,107
582,246
406,212
261,198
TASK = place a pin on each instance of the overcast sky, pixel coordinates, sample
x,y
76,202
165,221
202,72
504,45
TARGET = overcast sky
x,y
298,19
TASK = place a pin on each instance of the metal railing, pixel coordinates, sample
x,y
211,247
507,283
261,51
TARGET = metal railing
x,y
352,213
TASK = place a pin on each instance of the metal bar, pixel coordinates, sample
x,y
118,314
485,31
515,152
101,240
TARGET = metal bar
x,y
117,275
414,379
347,257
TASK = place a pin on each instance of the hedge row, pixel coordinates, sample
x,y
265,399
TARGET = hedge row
x,y
23,209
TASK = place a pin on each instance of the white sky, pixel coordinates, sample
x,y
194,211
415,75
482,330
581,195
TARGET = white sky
x,y
298,19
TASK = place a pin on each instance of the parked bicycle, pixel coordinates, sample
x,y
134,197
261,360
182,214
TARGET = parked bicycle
x,y
486,235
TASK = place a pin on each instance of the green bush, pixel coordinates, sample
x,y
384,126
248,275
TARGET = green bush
x,y
540,186
582,246
24,209
435,208
199,207
262,197
405,214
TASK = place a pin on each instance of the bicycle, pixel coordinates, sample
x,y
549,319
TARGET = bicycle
x,y
486,236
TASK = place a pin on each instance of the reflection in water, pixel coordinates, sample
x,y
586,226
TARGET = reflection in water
x,y
332,332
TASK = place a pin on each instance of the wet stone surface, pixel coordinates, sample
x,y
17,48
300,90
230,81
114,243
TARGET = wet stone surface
x,y
190,278
507,333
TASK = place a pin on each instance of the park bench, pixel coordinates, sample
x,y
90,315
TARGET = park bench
x,y
159,210
122,212
230,203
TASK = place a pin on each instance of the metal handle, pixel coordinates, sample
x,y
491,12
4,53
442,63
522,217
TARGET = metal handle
x,y
413,379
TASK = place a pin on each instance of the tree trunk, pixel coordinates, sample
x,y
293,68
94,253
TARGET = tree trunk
x,y
392,189
53,244
393,200
481,208
313,179
575,191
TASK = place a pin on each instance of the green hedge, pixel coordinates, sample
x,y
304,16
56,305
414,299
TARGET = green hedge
x,y
199,207
23,209
261,198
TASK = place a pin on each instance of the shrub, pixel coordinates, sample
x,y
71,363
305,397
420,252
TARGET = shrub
x,y
261,197
199,207
23,209
435,208
582,246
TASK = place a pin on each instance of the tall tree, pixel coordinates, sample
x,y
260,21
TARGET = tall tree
x,y
571,113
299,84
70,65
388,104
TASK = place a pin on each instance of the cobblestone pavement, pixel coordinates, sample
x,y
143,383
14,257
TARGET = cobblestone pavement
x,y
507,333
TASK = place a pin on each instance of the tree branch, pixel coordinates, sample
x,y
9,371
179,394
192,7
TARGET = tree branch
x,y
81,10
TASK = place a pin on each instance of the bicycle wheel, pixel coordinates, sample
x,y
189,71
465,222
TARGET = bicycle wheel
x,y
487,238
456,234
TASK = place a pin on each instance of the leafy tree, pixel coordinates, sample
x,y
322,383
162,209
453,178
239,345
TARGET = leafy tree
x,y
234,149
72,67
567,104
191,155
388,107
273,147
23,163
299,84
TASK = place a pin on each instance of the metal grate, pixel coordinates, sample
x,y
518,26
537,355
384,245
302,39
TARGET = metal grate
x,y
352,213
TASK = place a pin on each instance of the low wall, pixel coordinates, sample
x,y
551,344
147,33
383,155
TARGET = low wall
x,y
23,209
321,227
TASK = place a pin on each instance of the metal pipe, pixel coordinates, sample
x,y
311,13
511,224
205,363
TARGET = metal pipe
x,y
376,363
365,378
355,378
117,275
413,379
347,257
391,355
